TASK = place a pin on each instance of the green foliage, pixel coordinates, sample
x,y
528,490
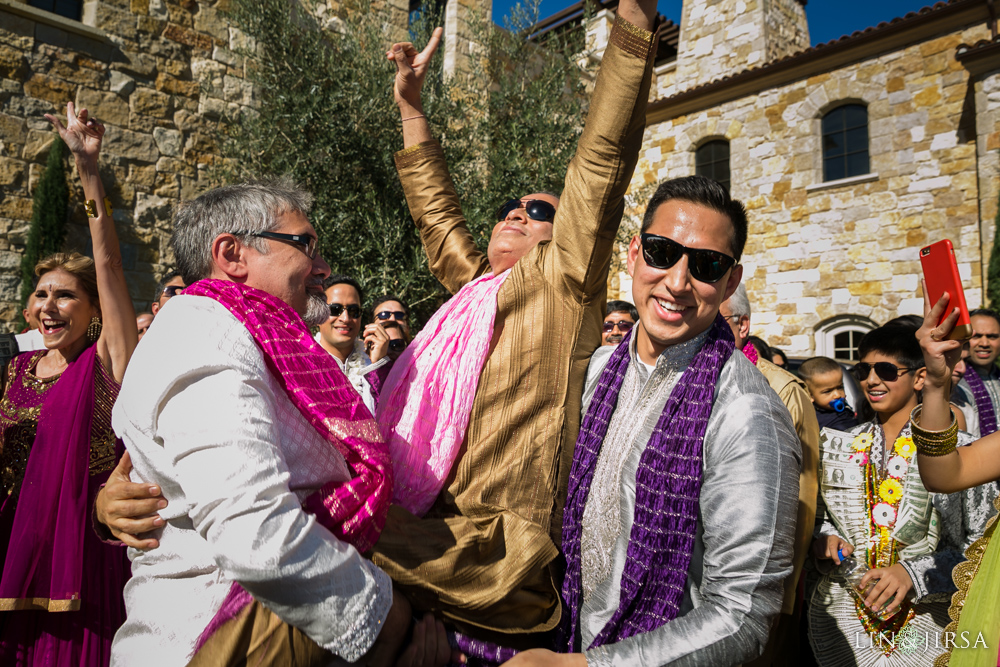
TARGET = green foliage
x,y
48,217
327,118
993,273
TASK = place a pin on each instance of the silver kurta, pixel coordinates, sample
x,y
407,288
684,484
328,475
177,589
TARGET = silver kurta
x,y
743,546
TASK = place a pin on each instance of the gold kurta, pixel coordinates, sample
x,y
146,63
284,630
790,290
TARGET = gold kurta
x,y
484,555
793,393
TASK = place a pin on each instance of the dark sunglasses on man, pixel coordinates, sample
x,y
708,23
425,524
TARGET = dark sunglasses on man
x,y
707,266
536,209
623,326
170,291
398,315
887,372
307,242
353,310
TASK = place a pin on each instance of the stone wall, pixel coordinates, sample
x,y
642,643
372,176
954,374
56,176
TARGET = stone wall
x,y
818,250
722,37
987,105
162,76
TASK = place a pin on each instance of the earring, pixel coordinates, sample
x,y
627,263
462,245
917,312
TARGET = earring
x,y
94,329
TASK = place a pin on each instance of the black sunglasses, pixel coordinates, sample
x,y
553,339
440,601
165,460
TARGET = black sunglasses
x,y
707,266
623,326
535,208
387,314
171,291
886,371
308,243
353,310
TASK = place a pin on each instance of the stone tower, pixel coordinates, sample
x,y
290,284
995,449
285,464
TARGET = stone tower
x,y
723,37
459,43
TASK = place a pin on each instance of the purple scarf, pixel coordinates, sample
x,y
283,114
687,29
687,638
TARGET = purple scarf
x,y
43,567
663,532
984,406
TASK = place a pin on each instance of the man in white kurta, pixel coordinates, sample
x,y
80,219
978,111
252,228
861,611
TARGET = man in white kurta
x,y
204,418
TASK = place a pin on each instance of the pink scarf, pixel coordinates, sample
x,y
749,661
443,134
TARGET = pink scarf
x,y
751,353
354,511
427,399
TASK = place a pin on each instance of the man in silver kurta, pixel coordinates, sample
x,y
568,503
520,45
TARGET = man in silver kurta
x,y
984,349
683,265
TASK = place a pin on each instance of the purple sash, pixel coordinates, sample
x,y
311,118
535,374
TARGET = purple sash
x,y
662,537
43,566
984,406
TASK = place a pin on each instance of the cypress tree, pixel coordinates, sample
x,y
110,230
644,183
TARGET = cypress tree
x,y
48,217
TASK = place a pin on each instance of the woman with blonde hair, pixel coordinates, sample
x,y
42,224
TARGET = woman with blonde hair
x,y
61,587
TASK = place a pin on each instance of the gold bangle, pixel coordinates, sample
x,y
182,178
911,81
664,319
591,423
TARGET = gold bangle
x,y
933,443
90,206
108,208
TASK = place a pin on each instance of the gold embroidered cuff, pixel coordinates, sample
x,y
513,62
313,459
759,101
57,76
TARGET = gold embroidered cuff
x,y
632,39
108,208
933,443
413,154
90,206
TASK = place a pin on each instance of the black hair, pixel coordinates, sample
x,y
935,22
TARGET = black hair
x,y
622,307
897,341
167,277
344,280
390,297
814,366
708,193
914,321
763,349
986,312
780,353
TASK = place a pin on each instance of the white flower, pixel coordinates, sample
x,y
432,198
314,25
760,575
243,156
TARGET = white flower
x,y
897,466
883,514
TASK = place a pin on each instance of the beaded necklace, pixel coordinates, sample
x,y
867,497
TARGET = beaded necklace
x,y
883,495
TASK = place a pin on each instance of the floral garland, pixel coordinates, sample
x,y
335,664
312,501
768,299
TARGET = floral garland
x,y
883,496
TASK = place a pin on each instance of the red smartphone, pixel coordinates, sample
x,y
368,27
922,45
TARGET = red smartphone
x,y
940,276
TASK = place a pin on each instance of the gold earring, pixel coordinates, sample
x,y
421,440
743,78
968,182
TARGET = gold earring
x,y
94,329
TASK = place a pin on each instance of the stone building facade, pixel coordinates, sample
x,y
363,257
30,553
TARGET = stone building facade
x,y
162,76
828,259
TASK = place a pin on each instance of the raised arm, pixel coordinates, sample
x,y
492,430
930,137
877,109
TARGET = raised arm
x,y
592,202
452,254
83,135
965,467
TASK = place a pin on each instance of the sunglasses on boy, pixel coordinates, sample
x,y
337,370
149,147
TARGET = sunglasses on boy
x,y
536,209
707,266
170,291
623,326
353,310
398,315
888,372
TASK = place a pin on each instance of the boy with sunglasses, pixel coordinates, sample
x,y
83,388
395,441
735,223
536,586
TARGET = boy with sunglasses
x,y
483,551
878,510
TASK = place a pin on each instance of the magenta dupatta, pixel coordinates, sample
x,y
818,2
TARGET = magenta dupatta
x,y
426,401
354,511
43,563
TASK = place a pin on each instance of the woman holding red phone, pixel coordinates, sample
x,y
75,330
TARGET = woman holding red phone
x,y
945,469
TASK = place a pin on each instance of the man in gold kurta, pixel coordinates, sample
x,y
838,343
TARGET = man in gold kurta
x,y
484,556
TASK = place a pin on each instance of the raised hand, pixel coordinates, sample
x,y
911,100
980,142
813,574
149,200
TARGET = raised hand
x,y
411,70
82,134
940,354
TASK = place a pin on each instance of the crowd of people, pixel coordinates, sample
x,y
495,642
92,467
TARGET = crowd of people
x,y
280,473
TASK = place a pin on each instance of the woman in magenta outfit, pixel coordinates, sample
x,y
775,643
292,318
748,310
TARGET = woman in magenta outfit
x,y
60,586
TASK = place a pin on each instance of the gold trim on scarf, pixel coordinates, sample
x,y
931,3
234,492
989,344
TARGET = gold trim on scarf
x,y
962,575
39,604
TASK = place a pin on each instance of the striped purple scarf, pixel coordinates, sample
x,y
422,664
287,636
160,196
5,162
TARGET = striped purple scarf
x,y
663,532
984,406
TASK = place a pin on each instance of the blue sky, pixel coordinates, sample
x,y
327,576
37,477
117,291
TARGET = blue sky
x,y
828,19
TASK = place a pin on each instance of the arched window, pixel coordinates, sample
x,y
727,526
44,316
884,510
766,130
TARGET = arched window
x,y
838,337
68,8
711,160
845,142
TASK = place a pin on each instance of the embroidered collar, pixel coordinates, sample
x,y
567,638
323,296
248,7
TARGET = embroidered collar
x,y
676,357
